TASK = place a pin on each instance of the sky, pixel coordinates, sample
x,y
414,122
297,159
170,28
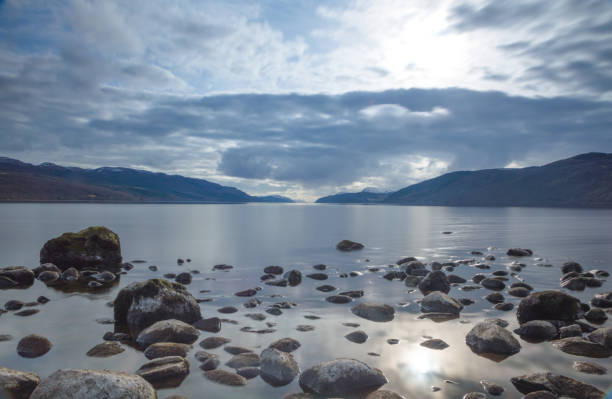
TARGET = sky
x,y
305,98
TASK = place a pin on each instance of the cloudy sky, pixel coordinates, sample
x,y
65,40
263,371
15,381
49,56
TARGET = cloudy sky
x,y
305,98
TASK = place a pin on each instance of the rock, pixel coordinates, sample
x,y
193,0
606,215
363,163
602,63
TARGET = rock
x,y
70,275
285,345
256,316
212,324
549,305
439,302
248,372
46,267
477,278
384,394
489,338
374,312
466,301
603,300
493,284
602,336
571,267
33,346
405,260
574,284
326,288
247,292
506,306
5,337
153,268
540,395
164,372
247,359
222,267
17,384
139,305
352,294
589,368
491,388
518,252
278,368
579,346
252,303
393,341
168,331
105,349
348,245
454,279
537,330
317,276
339,299
93,246
236,350
412,281
273,270
495,297
596,315
341,377
320,267
558,384
414,268
521,284
225,378
294,277
500,322
358,337
164,349
474,395
183,278
434,281
519,292
434,343
573,330
6,282
208,361
87,384
49,277
21,275
13,305
277,282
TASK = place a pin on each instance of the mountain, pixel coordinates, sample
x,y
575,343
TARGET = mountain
x,y
21,181
581,181
363,197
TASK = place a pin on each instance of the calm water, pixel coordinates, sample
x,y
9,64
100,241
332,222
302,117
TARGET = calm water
x,y
251,237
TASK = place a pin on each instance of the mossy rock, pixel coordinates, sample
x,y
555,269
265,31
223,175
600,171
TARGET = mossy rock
x,y
95,246
141,304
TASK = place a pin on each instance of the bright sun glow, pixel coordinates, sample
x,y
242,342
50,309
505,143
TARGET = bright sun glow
x,y
421,361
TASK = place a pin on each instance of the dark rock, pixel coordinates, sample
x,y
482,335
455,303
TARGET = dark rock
x,y
406,260
208,361
557,384
341,377
320,267
520,292
139,305
573,330
493,284
164,349
153,268
13,305
93,246
212,324
500,322
352,294
247,359
466,301
393,341
574,284
521,284
358,337
549,305
505,307
252,303
339,299
304,328
495,297
454,279
6,282
277,282
602,336
227,309
183,278
348,245
603,300
294,277
222,267
518,252
168,331
317,276
49,277
434,343
273,270
537,330
248,372
491,388
5,337
474,395
247,292
17,384
477,278
596,315
285,345
225,378
70,275
236,350
278,368
571,267
33,346
27,312
105,349
166,371
374,312
589,368
439,302
434,281
274,311
581,347
326,288
489,338
21,275
414,267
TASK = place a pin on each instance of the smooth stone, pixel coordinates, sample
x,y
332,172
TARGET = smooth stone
x,y
294,277
537,330
493,284
225,378
326,288
519,252
491,388
236,350
348,245
353,294
589,368
248,372
320,267
571,267
506,306
384,394
17,384
27,312
278,368
596,315
549,305
434,343
521,284
285,345
500,322
273,270
439,302
574,284
602,336
519,292
33,345
339,299
317,276
5,337
212,324
164,349
495,297
183,278
305,328
105,349
557,384
474,395
573,330
434,281
277,283
168,331
341,377
88,384
374,312
579,346
222,267
489,338
393,341
13,305
247,359
454,279
22,275
165,372
227,309
358,337
603,300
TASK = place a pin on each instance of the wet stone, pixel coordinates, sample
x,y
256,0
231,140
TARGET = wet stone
x,y
358,337
589,368
225,378
213,342
105,349
33,345
434,343
212,324
305,328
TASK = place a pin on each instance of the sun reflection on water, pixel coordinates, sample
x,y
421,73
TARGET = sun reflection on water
x,y
419,362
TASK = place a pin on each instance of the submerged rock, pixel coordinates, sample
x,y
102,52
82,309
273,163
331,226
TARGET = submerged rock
x,y
33,345
105,349
139,305
557,384
87,384
374,312
537,330
581,347
489,338
93,246
348,245
164,349
384,394
549,305
168,331
278,368
285,345
225,378
434,281
589,368
17,384
247,359
341,377
166,371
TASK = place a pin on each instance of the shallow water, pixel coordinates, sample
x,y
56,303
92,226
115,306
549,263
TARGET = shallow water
x,y
253,236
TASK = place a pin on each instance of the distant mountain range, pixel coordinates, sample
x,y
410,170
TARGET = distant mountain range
x,y
581,181
21,181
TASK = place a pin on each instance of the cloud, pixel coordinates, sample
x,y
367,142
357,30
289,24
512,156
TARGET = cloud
x,y
386,111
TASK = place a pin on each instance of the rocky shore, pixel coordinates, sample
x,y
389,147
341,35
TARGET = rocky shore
x,y
163,319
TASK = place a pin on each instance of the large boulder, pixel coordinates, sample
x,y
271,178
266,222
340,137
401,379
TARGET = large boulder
x,y
439,302
168,331
434,281
277,368
87,384
17,384
21,275
557,384
549,305
139,305
92,247
341,377
491,339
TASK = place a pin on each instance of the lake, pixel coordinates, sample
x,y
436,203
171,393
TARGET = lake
x,y
298,236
